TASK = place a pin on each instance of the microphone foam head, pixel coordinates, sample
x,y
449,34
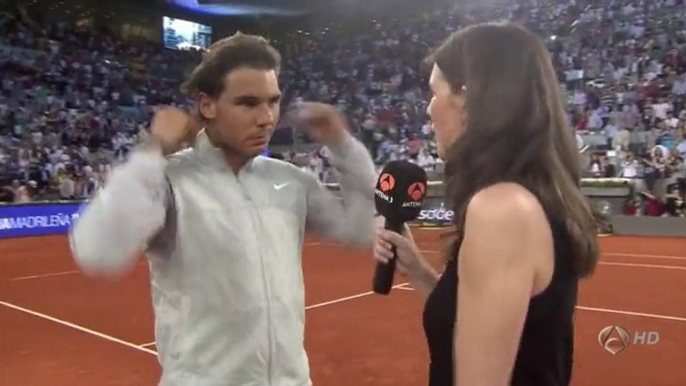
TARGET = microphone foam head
x,y
400,191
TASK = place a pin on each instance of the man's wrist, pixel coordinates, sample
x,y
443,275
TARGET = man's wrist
x,y
152,144
335,130
340,143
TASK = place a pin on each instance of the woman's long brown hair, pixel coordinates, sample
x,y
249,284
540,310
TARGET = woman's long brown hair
x,y
516,131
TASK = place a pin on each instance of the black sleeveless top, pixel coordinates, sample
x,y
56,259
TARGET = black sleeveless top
x,y
547,344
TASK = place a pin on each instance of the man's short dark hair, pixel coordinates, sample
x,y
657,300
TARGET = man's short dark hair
x,y
229,54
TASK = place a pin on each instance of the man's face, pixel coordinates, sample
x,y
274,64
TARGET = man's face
x,y
242,119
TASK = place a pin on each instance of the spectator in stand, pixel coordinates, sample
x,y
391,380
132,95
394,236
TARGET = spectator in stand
x,y
674,202
77,97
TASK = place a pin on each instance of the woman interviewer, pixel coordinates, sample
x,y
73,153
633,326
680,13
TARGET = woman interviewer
x,y
523,234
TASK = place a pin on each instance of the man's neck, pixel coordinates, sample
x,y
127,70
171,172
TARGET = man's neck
x,y
235,160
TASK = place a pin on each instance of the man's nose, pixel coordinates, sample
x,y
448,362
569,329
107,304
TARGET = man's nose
x,y
266,116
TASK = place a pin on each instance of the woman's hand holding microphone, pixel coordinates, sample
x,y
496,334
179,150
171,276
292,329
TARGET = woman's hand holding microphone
x,y
410,261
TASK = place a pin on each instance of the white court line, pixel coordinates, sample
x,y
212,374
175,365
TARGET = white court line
x,y
637,255
330,302
77,327
406,288
666,257
402,286
44,275
608,311
653,316
32,277
643,265
53,274
679,268
345,299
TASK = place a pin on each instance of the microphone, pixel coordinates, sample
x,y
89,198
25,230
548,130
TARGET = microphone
x,y
399,196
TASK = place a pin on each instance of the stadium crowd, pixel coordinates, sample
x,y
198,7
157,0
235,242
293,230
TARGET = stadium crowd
x,y
74,101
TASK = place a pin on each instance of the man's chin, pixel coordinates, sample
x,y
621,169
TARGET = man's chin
x,y
255,151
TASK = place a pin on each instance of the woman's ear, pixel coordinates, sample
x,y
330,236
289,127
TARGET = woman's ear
x,y
459,102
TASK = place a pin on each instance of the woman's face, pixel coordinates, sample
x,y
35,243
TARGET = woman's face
x,y
447,112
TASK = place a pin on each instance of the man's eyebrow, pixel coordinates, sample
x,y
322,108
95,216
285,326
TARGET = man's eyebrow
x,y
255,98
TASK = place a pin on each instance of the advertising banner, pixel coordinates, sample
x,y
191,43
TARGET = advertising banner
x,y
434,214
37,219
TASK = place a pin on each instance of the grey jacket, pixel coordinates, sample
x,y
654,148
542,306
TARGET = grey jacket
x,y
224,252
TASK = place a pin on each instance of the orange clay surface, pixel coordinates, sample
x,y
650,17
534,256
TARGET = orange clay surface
x,y
59,328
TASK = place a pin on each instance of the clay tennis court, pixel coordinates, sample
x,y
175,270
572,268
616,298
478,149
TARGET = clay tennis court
x,y
59,328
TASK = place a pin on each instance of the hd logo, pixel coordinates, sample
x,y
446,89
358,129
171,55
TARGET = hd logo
x,y
615,339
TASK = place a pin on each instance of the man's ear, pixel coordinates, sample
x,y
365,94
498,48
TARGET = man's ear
x,y
207,107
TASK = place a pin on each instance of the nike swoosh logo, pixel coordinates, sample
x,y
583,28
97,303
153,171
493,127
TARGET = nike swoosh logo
x,y
280,186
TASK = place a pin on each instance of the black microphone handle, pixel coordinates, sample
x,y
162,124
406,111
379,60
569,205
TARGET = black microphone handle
x,y
383,276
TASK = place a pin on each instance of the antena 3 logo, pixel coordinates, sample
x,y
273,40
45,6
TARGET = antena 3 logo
x,y
385,185
416,191
614,339
386,182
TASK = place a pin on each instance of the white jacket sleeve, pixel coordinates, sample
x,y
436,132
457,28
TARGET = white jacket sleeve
x,y
114,227
351,219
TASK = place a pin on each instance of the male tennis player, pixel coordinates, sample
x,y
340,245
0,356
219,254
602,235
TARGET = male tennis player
x,y
223,228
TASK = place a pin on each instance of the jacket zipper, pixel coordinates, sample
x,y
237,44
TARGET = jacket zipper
x,y
265,283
